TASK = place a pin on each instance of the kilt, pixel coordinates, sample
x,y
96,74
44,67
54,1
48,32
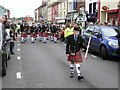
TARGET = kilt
x,y
77,58
56,35
40,33
23,34
45,34
51,34
26,34
33,35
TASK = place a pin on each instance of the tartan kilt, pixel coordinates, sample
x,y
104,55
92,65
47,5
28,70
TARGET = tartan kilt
x,y
45,34
35,34
51,34
26,34
32,35
55,35
40,33
23,34
77,58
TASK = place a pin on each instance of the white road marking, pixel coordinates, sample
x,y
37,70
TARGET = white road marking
x,y
18,44
18,74
18,57
94,56
40,84
18,49
18,41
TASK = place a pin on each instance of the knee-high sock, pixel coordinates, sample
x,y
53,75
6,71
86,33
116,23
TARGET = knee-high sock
x,y
72,68
78,69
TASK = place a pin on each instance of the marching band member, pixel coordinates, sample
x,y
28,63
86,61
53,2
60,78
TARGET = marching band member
x,y
73,46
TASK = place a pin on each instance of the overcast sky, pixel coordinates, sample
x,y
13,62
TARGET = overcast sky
x,y
19,8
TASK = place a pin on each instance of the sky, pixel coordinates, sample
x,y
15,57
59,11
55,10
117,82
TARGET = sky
x,y
21,8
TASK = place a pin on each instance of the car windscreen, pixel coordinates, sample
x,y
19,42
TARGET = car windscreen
x,y
107,31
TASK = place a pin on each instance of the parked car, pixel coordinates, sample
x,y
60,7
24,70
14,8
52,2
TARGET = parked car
x,y
103,40
116,28
4,49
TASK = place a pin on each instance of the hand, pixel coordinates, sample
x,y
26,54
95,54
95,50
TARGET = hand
x,y
67,55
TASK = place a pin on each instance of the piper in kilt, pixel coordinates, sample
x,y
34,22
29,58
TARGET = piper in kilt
x,y
73,46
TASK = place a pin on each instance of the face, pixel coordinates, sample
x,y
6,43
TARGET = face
x,y
76,32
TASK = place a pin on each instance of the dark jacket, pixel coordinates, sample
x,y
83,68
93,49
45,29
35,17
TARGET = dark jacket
x,y
43,29
72,45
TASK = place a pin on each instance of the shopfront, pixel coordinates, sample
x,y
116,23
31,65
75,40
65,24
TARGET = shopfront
x,y
112,16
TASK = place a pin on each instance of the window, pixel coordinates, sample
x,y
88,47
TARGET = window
x,y
90,29
90,8
94,7
96,30
109,32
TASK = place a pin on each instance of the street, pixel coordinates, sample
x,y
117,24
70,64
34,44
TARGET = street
x,y
44,65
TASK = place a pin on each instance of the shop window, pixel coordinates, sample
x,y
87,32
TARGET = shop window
x,y
90,8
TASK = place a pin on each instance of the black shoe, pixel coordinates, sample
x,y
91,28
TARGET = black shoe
x,y
71,75
80,77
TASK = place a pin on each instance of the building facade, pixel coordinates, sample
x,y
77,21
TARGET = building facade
x,y
49,14
62,12
109,11
41,12
91,9
4,12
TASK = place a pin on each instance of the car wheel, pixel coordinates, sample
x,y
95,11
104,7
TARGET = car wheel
x,y
104,53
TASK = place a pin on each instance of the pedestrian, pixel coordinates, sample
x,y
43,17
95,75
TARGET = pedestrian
x,y
73,46
62,33
12,42
44,31
68,31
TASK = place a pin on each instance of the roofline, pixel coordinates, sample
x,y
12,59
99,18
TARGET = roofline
x,y
41,6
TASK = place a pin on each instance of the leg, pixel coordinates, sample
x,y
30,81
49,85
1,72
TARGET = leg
x,y
71,70
78,71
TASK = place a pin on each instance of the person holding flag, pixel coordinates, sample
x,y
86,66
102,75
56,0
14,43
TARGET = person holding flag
x,y
73,45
